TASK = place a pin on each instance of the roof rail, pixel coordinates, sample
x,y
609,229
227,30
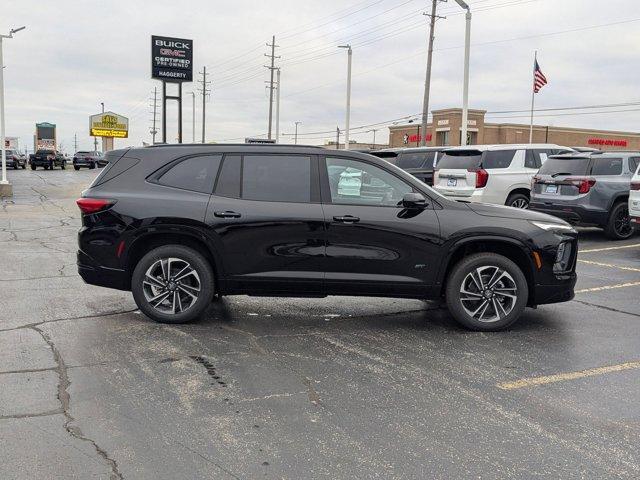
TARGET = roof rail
x,y
249,145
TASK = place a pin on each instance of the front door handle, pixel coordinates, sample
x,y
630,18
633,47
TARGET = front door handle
x,y
346,219
227,214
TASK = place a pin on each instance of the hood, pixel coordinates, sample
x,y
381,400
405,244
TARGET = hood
x,y
502,211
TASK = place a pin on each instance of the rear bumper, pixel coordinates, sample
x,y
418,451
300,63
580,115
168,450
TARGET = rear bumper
x,y
574,214
94,274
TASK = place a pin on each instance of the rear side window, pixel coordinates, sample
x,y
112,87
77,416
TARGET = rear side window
x,y
228,184
497,158
415,159
276,178
462,159
607,166
565,166
196,174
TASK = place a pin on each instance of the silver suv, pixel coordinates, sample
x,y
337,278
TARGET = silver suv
x,y
588,189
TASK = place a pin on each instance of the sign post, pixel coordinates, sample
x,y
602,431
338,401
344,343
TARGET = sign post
x,y
171,62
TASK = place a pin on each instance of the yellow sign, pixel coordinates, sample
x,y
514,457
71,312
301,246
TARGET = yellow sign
x,y
109,124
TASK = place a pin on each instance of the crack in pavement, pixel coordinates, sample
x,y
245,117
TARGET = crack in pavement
x,y
55,320
610,309
65,400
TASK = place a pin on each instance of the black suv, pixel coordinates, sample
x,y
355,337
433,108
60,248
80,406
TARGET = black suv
x,y
420,162
177,225
47,159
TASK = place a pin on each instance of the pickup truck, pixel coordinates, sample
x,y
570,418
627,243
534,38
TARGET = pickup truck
x,y
47,159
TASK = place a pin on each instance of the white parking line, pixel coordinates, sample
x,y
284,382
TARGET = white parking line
x,y
635,245
560,377
610,265
608,287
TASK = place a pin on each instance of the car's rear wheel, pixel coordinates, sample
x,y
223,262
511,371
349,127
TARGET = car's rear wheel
x,y
173,284
24,165
619,226
486,292
63,165
92,166
518,200
33,167
76,167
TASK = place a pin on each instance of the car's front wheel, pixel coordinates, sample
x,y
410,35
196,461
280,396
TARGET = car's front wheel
x,y
486,292
173,284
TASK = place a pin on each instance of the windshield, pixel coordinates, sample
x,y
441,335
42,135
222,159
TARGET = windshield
x,y
461,159
564,166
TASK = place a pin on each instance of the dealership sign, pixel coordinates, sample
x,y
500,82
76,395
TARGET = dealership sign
x,y
108,124
607,141
171,59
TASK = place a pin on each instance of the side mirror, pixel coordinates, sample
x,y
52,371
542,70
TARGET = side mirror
x,y
414,201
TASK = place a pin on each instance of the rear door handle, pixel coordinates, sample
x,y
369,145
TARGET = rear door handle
x,y
346,219
227,214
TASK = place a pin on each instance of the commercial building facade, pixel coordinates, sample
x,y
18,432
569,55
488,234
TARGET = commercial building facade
x,y
445,130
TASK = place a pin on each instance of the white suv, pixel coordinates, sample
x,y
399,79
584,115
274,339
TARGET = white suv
x,y
499,174
634,200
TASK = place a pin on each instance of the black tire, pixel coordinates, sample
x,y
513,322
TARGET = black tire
x,y
92,166
63,165
486,262
15,165
76,167
619,225
33,167
195,261
24,165
46,167
518,200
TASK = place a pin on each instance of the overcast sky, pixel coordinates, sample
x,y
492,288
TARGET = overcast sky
x,y
75,54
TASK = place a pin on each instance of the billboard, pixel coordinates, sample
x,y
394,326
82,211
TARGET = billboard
x,y
45,136
108,124
171,59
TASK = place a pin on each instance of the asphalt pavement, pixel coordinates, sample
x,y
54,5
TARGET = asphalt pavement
x,y
334,388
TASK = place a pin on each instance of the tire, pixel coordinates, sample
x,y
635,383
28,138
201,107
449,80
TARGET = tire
x,y
518,200
619,225
33,167
15,166
24,165
63,166
92,166
509,304
46,167
76,167
143,290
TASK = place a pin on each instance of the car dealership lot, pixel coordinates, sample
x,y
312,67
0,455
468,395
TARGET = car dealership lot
x,y
303,388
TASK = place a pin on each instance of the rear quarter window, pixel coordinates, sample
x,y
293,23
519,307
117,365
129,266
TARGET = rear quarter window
x,y
607,166
497,158
117,166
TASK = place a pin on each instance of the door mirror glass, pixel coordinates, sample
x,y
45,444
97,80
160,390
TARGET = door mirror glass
x,y
414,200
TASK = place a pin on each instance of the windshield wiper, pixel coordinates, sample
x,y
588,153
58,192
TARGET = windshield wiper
x,y
560,173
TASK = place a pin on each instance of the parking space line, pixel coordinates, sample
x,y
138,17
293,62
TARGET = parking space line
x,y
561,377
608,287
610,265
635,245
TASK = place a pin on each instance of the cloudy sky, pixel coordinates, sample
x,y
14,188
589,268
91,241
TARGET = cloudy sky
x,y
75,54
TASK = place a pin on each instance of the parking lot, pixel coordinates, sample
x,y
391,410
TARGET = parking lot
x,y
304,388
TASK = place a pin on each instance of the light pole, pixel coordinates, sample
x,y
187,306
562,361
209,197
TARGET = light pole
x,y
278,106
346,126
295,141
465,84
193,116
5,186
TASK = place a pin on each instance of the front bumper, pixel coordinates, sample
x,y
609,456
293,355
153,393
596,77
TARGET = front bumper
x,y
563,291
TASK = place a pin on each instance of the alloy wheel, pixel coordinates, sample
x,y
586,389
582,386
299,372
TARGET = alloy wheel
x,y
488,293
622,223
171,285
520,203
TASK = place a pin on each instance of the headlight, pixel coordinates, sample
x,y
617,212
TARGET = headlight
x,y
563,257
550,227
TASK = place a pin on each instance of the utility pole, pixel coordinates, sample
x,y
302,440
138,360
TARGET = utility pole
x,y
75,142
278,106
427,82
204,90
374,130
295,141
348,114
271,69
193,117
154,130
337,138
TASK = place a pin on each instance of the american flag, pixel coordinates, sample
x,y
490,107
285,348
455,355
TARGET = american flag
x,y
539,80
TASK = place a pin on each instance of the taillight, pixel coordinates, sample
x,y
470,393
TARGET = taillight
x,y
583,184
482,177
534,180
635,185
93,205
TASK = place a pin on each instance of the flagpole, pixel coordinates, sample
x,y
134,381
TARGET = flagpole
x,y
533,95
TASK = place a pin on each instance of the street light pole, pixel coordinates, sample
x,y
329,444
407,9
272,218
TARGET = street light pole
x,y
295,141
465,84
346,126
5,186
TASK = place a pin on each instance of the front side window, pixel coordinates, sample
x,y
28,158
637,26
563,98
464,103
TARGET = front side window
x,y
196,174
276,178
358,183
607,166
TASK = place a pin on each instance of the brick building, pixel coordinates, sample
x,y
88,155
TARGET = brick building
x,y
447,125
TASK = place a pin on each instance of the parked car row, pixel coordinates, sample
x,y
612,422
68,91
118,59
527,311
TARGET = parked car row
x,y
49,159
88,159
583,186
15,159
